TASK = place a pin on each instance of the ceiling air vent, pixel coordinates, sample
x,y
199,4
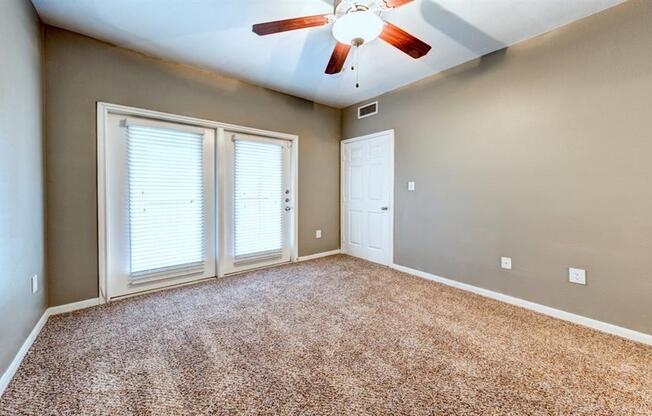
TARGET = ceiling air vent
x,y
368,110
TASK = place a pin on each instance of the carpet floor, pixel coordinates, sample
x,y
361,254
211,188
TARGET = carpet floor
x,y
336,335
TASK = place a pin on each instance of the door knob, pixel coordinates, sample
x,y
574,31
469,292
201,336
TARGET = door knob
x,y
384,208
288,208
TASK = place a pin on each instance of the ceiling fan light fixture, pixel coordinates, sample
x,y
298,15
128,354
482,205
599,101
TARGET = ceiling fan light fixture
x,y
354,23
362,25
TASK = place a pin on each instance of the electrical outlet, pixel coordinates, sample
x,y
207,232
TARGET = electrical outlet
x,y
506,263
577,276
317,233
411,186
35,283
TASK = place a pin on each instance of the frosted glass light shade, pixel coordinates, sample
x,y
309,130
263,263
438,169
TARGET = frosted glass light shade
x,y
363,25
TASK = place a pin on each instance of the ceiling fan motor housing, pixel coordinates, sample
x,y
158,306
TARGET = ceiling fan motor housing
x,y
343,7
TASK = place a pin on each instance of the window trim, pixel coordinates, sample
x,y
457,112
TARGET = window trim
x,y
103,111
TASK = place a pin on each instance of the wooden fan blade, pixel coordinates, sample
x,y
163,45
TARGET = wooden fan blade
x,y
338,58
268,28
396,3
401,39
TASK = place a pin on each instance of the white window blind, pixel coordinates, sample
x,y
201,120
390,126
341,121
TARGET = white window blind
x,y
166,201
258,200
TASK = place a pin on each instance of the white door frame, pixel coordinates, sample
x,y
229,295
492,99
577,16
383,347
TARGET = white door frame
x,y
391,194
103,111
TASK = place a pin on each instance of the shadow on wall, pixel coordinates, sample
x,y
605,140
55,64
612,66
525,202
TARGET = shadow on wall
x,y
492,58
466,69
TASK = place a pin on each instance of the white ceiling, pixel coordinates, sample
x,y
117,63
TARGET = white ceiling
x,y
216,34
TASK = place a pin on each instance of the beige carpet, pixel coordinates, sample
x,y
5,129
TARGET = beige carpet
x,y
331,336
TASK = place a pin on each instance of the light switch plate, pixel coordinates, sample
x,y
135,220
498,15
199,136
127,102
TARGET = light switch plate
x,y
317,233
35,283
506,263
577,276
411,186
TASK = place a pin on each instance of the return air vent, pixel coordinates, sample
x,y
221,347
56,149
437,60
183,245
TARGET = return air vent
x,y
368,110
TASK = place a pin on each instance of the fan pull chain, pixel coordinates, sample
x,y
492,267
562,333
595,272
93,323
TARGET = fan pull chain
x,y
357,69
356,66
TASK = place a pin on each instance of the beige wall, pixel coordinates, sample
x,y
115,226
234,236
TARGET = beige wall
x,y
542,153
21,176
81,71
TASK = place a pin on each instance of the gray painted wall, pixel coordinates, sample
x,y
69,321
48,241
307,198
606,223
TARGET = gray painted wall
x,y
21,176
542,153
81,71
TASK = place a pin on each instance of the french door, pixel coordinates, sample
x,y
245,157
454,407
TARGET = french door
x,y
183,202
160,205
258,202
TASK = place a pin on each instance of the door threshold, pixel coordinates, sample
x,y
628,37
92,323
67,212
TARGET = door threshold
x,y
254,269
159,289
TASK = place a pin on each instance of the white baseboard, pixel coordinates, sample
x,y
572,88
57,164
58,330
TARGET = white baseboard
x,y
319,255
546,310
69,307
22,352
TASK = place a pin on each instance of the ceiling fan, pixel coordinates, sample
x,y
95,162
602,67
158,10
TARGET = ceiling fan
x,y
355,23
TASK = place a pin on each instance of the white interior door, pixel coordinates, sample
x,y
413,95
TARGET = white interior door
x,y
258,202
160,205
367,197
